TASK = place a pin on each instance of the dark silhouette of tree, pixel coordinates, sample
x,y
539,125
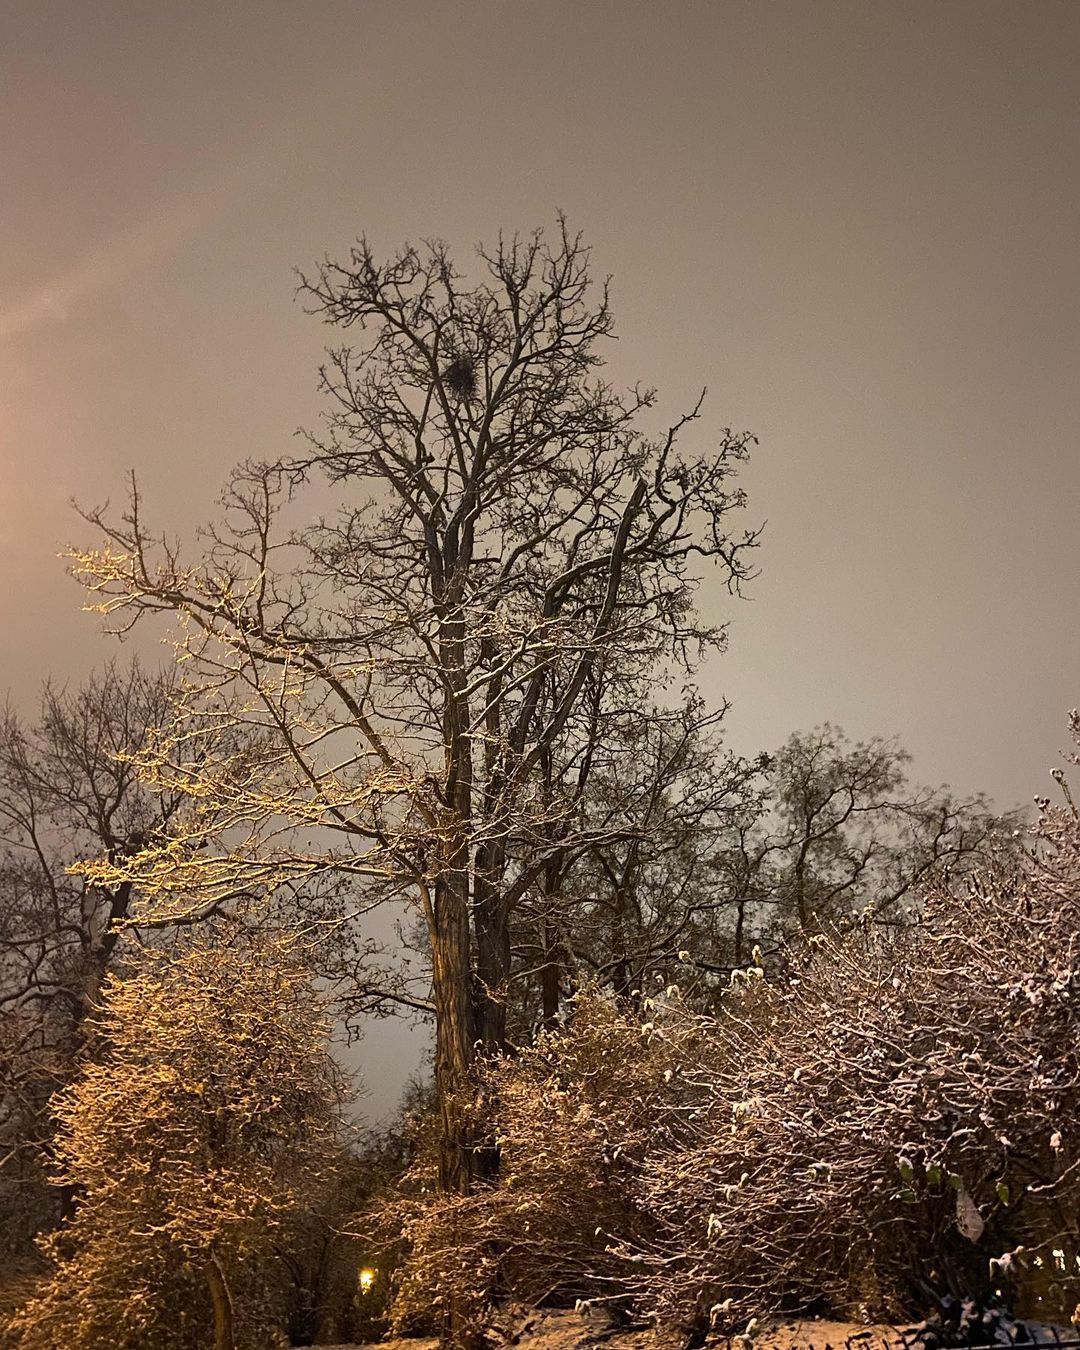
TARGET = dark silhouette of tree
x,y
698,855
845,834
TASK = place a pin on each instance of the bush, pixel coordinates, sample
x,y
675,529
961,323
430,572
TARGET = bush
x,y
571,1118
889,1110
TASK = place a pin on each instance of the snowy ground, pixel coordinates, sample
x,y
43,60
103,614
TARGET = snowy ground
x,y
574,1331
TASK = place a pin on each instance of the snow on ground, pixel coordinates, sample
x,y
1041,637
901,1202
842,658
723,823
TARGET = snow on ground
x,y
559,1330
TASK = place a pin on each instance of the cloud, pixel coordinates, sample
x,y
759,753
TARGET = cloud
x,y
133,248
120,256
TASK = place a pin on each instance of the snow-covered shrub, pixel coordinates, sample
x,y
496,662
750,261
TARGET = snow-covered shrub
x,y
571,1118
889,1108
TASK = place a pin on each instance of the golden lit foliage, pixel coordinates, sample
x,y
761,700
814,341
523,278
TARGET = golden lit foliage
x,y
572,1116
208,1117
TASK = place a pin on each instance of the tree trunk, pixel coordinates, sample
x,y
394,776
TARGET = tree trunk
x,y
551,940
453,1032
454,1055
550,975
492,924
740,928
619,945
222,1301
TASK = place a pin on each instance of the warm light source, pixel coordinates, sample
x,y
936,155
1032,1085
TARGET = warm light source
x,y
367,1279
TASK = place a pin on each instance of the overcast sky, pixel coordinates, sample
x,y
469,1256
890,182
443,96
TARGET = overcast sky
x,y
857,223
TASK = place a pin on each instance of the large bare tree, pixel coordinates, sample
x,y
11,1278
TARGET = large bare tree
x,y
422,672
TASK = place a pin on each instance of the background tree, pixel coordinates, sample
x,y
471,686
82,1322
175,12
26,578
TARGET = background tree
x,y
66,793
843,834
658,810
208,1119
717,853
419,678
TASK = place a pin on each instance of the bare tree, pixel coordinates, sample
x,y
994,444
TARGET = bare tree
x,y
66,792
662,802
506,540
718,853
845,834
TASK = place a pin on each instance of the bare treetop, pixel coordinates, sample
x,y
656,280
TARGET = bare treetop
x,y
417,689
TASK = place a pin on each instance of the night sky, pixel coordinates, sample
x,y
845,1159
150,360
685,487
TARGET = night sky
x,y
857,223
